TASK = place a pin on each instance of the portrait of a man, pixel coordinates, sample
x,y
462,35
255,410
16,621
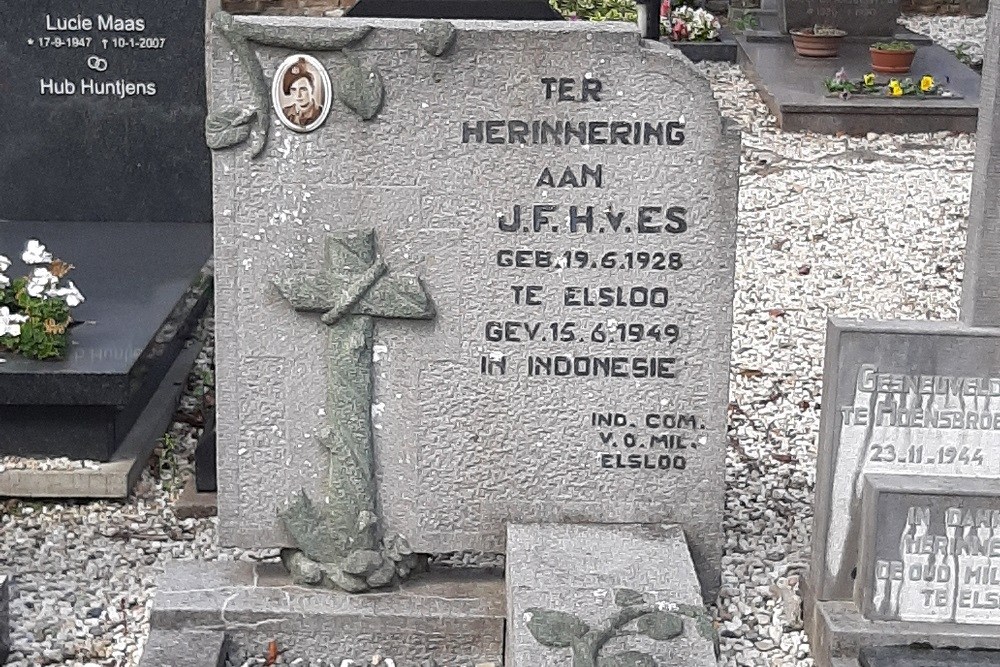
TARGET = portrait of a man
x,y
301,93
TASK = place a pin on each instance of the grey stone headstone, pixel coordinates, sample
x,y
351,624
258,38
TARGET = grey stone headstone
x,y
981,281
4,617
858,17
102,108
913,398
930,550
576,591
474,425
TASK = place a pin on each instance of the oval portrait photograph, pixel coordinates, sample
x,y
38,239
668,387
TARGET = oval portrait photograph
x,y
301,93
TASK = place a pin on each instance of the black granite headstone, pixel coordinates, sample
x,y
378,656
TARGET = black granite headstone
x,y
494,10
876,18
101,108
909,656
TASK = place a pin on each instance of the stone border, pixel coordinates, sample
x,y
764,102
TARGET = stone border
x,y
4,617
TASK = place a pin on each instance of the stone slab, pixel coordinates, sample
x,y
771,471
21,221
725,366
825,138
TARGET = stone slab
x,y
169,648
146,285
195,504
465,438
115,478
102,120
491,10
792,87
4,617
865,406
838,631
876,18
452,617
724,50
930,549
581,584
205,469
981,281
908,656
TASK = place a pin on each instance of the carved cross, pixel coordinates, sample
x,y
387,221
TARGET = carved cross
x,y
353,287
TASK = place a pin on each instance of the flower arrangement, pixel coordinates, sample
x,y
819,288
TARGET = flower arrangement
x,y
687,24
34,309
845,87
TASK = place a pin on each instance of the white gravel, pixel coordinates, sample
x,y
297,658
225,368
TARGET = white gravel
x,y
955,33
864,227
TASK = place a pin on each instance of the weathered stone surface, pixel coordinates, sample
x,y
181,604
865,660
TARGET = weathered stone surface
x,y
857,17
908,656
460,447
192,648
587,595
930,550
4,617
914,398
453,618
981,282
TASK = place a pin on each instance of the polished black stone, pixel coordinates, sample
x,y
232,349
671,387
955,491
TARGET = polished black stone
x,y
205,469
74,145
908,656
497,10
144,291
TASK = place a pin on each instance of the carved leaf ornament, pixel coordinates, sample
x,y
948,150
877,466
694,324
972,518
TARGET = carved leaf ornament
x,y
358,85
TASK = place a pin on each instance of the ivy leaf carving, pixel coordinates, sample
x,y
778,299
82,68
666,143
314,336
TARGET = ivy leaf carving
x,y
627,659
661,625
228,127
436,36
360,88
555,629
626,597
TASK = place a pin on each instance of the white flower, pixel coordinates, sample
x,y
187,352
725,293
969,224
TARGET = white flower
x,y
40,281
69,293
10,324
34,253
4,263
4,281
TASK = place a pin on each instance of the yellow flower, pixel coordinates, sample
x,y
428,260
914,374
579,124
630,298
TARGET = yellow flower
x,y
927,83
895,90
870,79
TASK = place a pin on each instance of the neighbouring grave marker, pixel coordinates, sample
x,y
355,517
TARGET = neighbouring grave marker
x,y
572,229
858,17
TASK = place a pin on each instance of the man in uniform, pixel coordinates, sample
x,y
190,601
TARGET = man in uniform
x,y
300,84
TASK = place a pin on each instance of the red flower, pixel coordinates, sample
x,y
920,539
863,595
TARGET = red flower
x,y
665,8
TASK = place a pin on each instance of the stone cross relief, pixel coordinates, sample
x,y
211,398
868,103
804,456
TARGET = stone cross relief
x,y
339,541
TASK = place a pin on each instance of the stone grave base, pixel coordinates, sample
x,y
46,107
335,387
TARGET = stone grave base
x,y
627,594
724,50
792,87
146,286
195,504
838,634
455,617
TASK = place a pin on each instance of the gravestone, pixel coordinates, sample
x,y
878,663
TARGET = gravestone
x,y
492,10
875,18
4,617
904,547
981,284
495,286
102,159
575,592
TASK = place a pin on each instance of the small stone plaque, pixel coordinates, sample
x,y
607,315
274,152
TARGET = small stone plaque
x,y
102,109
623,595
931,550
858,17
914,398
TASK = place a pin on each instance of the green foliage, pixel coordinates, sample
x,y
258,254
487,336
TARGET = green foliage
x,y
748,21
597,10
896,45
827,31
44,335
555,629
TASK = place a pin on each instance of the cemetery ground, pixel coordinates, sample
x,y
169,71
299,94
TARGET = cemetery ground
x,y
869,227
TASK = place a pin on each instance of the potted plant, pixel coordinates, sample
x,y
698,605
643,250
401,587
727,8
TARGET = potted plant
x,y
892,57
819,41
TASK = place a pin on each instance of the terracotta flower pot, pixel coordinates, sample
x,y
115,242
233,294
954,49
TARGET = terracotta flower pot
x,y
892,62
816,46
